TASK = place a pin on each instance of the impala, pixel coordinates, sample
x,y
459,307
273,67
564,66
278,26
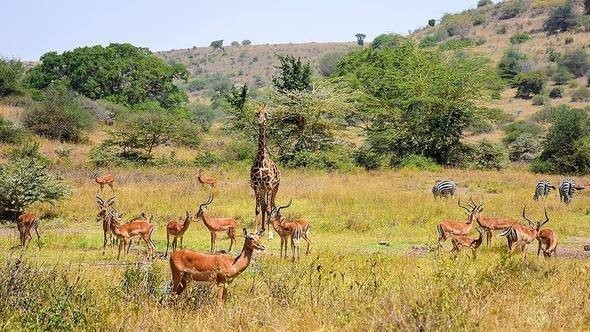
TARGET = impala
x,y
520,235
126,232
548,238
107,179
464,241
452,227
217,224
206,180
106,217
24,224
490,224
218,269
177,229
291,229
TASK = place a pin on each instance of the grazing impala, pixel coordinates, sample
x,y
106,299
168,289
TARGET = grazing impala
x,y
217,224
464,241
218,269
520,235
548,238
177,229
490,224
206,180
452,227
126,232
290,229
107,179
24,224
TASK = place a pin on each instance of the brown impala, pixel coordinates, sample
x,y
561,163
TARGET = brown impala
x,y
453,227
521,235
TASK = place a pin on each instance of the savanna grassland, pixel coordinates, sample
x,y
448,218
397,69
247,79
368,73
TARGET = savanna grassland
x,y
349,281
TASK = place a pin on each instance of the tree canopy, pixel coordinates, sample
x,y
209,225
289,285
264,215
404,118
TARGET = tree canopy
x,y
121,73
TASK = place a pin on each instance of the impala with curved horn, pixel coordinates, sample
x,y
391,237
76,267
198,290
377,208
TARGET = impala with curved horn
x,y
489,224
106,217
217,224
453,227
290,229
521,235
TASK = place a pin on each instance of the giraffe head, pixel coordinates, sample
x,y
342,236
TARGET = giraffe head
x,y
262,114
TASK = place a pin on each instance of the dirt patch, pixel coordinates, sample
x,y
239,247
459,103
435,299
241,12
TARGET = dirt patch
x,y
573,252
418,251
7,231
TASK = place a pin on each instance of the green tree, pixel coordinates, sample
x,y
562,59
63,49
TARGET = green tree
x,y
403,115
328,62
121,73
218,44
246,42
387,40
569,131
511,9
519,38
8,132
59,116
563,18
11,75
431,22
511,63
576,61
235,43
236,97
529,83
482,3
294,75
360,38
26,179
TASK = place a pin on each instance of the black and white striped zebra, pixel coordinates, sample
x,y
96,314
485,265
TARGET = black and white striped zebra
x,y
542,189
444,189
567,189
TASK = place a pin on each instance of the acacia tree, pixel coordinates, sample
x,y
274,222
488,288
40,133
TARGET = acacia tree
x,y
360,38
294,75
11,74
218,44
414,100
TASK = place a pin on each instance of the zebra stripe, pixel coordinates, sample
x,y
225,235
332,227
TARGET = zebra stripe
x,y
542,189
567,189
444,189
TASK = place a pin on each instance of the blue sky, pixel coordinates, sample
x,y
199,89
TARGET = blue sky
x,y
31,28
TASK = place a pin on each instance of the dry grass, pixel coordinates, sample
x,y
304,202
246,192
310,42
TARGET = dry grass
x,y
349,281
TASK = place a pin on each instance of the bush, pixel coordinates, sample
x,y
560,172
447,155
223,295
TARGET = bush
x,y
520,128
576,61
539,100
581,95
562,76
529,83
8,132
482,3
554,56
208,158
511,9
480,41
369,159
563,18
419,163
431,22
556,93
60,116
11,75
235,43
429,41
479,19
523,147
246,42
488,155
334,159
328,62
25,179
584,22
519,38
502,29
511,63
387,40
455,44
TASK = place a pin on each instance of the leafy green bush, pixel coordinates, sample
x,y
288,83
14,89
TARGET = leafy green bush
x,y
420,163
8,132
539,100
11,75
328,62
208,158
369,159
556,93
482,3
523,146
563,18
479,19
501,29
561,76
59,116
387,40
455,44
338,158
554,56
25,179
519,128
511,63
488,155
581,95
584,22
529,83
576,61
511,9
519,38
246,42
429,41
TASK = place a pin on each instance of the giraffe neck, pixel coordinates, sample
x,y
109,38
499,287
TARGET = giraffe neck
x,y
261,142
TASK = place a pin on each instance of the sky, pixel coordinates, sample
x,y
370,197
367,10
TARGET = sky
x,y
32,28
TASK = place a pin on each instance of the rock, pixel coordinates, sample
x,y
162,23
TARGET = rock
x,y
384,243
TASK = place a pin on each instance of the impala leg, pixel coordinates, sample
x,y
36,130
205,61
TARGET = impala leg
x,y
474,253
213,235
220,293
307,251
231,233
489,237
167,244
121,244
181,246
104,244
539,249
38,237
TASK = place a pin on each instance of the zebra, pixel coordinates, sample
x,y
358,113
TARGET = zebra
x,y
444,189
566,190
542,189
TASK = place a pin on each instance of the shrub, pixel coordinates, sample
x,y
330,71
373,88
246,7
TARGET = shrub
x,y
60,116
539,100
563,18
293,74
511,9
524,146
488,155
554,56
455,44
511,63
369,159
519,38
479,19
431,22
576,61
529,83
8,132
328,62
235,43
502,29
569,40
584,22
562,76
333,159
387,40
482,3
25,179
556,93
420,163
208,158
11,75
519,128
428,41
581,95
246,42
480,41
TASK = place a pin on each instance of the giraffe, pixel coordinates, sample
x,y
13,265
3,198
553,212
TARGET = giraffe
x,y
264,176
